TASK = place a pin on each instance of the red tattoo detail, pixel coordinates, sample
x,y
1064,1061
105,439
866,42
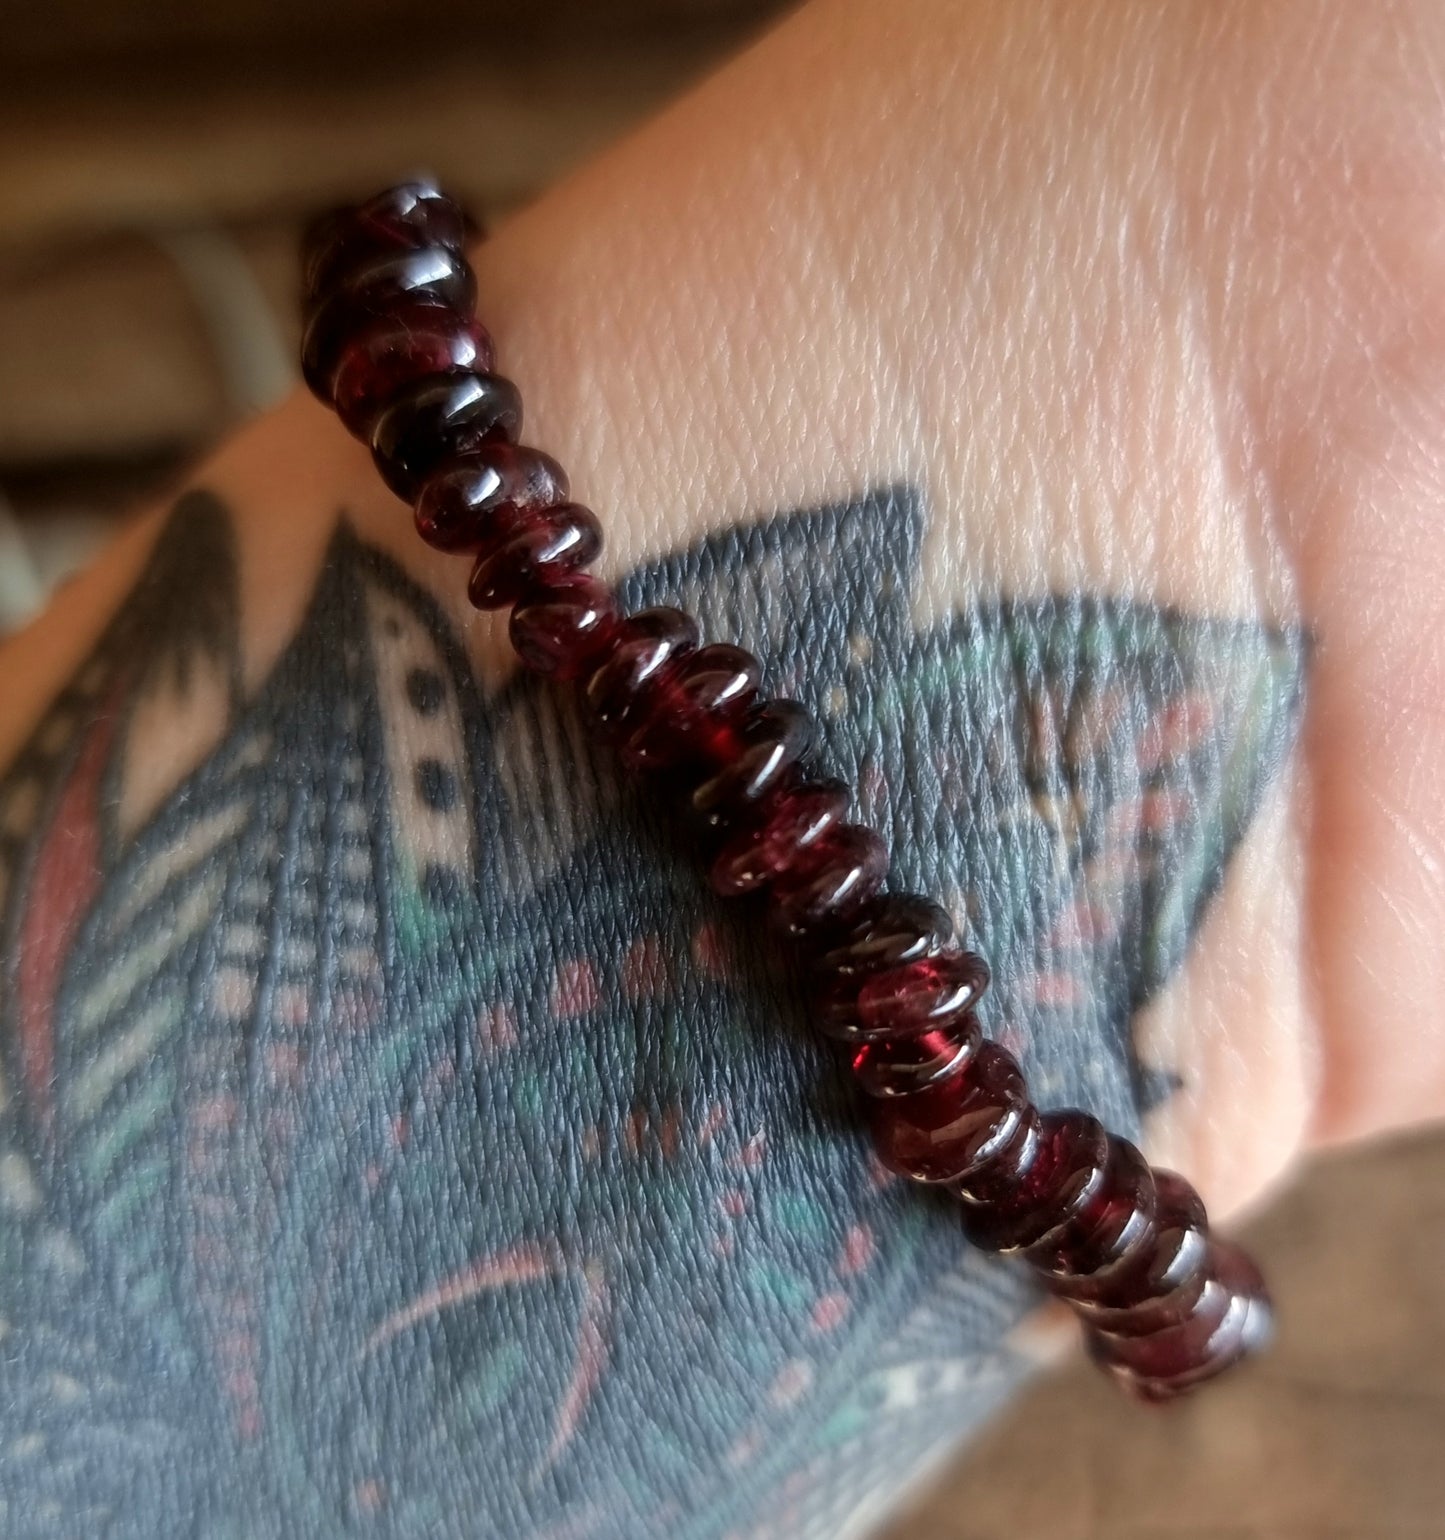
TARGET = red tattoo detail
x,y
67,878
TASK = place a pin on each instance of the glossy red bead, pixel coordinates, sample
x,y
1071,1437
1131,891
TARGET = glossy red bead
x,y
647,649
998,1174
905,1066
954,1127
559,539
439,419
1244,1333
566,625
890,929
1172,1349
919,996
771,739
463,502
1229,1318
1110,1229
404,218
433,276
791,821
1064,1171
692,720
829,882
1157,1284
398,348
931,991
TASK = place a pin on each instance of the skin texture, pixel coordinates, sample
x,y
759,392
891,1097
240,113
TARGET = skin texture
x,y
393,1069
1136,304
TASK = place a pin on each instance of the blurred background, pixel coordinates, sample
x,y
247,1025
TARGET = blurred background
x,y
156,162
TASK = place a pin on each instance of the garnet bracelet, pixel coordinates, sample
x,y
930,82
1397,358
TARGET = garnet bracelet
x,y
392,344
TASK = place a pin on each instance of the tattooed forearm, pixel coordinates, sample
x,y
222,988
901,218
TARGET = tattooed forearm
x,y
397,1137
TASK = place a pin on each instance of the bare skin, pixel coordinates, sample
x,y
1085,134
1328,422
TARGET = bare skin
x,y
1145,303
1143,300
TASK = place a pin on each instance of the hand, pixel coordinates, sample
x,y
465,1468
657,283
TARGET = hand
x,y
1133,306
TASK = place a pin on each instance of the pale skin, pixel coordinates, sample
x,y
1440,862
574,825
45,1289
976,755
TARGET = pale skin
x,y
1146,300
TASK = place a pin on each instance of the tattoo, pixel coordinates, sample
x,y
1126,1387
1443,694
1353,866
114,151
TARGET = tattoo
x,y
395,1137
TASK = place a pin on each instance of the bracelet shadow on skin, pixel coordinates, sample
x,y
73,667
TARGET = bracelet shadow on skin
x,y
396,1132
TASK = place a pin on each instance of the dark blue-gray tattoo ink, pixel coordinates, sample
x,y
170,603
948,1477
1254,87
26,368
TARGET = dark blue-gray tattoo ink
x,y
398,1140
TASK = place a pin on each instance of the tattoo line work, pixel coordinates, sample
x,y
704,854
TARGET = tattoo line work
x,y
396,1138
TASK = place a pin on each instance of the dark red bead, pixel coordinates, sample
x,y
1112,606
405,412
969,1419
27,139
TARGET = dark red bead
x,y
791,820
1063,1173
957,1125
566,626
1243,1334
692,720
1228,1319
400,219
437,420
433,276
905,1066
463,503
647,649
931,991
1110,1229
920,996
559,539
1000,1172
890,929
831,879
771,739
399,347
1160,1280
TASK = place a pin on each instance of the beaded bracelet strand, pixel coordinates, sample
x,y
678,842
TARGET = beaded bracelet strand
x,y
392,344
